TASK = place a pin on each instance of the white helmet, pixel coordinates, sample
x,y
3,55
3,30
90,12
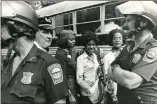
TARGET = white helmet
x,y
147,9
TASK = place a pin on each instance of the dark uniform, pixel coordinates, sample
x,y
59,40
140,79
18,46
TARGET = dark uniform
x,y
37,80
69,69
142,61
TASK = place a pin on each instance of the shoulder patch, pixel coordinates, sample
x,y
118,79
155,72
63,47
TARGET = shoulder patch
x,y
56,73
150,55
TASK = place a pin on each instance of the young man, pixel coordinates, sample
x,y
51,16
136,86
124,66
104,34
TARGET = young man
x,y
31,75
135,68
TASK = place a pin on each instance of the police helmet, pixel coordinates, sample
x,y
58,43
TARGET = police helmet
x,y
146,9
21,12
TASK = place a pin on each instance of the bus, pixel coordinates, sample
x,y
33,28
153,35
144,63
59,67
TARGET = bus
x,y
97,16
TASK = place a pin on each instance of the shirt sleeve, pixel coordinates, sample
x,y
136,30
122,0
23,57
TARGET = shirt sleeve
x,y
80,75
106,64
148,65
55,86
102,54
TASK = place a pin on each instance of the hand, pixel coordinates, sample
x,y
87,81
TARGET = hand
x,y
72,99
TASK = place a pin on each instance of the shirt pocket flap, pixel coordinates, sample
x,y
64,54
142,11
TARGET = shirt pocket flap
x,y
24,90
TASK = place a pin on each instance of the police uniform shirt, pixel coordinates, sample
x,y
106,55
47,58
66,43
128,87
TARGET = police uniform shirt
x,y
142,61
86,72
37,80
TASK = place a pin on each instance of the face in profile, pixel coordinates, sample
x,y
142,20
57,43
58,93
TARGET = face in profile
x,y
90,46
117,40
44,38
130,22
71,41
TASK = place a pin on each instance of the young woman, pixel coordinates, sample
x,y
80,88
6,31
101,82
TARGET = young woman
x,y
87,66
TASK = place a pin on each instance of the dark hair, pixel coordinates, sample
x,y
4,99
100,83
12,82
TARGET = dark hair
x,y
63,38
112,33
88,36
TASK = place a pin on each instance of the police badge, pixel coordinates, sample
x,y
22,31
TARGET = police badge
x,y
26,79
136,58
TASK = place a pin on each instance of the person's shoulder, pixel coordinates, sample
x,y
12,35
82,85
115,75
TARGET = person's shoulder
x,y
81,56
153,42
47,57
60,52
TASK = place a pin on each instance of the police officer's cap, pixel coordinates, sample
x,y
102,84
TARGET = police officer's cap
x,y
45,23
45,27
147,9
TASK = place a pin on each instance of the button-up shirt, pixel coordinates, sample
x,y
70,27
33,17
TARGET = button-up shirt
x,y
86,72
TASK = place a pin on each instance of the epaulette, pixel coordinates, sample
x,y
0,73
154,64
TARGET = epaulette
x,y
153,42
47,57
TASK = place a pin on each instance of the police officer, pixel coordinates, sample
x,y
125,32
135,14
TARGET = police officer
x,y
43,38
31,75
135,68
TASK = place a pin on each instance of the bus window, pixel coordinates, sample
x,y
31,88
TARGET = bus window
x,y
87,19
111,15
59,29
110,10
88,26
65,19
87,15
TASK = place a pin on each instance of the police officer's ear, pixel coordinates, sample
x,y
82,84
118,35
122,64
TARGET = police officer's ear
x,y
143,22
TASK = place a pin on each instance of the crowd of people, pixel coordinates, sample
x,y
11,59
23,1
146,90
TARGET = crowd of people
x,y
127,74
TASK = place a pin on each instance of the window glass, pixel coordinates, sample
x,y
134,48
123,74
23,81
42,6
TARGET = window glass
x,y
117,21
64,19
88,15
59,29
89,26
110,11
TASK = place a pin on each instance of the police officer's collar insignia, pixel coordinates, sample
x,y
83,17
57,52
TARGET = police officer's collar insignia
x,y
151,55
69,56
136,58
56,73
27,78
33,59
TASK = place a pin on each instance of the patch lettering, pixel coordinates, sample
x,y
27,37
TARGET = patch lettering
x,y
56,73
151,55
27,78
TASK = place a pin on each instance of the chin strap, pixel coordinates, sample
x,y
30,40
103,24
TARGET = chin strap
x,y
6,61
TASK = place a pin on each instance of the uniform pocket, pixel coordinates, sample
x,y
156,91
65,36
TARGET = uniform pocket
x,y
24,90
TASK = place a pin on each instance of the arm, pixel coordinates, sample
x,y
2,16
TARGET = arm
x,y
125,78
55,83
102,54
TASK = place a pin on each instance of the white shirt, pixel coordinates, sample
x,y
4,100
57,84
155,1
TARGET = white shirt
x,y
38,46
86,72
107,60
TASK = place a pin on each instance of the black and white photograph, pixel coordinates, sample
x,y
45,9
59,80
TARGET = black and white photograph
x,y
78,52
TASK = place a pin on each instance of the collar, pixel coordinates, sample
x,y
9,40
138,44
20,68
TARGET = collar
x,y
145,42
39,46
85,55
31,57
